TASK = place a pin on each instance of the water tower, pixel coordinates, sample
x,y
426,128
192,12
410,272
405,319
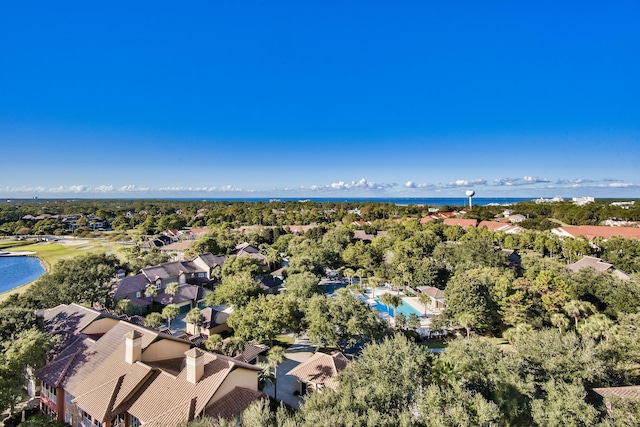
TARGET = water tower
x,y
470,194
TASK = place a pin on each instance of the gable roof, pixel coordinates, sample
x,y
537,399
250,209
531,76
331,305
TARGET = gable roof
x,y
105,384
321,369
131,284
170,270
211,260
628,392
212,317
597,264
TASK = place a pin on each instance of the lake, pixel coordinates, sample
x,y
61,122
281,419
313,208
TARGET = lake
x,y
18,270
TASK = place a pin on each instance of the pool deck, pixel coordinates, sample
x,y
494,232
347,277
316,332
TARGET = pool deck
x,y
425,319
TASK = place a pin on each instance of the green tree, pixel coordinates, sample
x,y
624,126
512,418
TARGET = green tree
x,y
302,285
263,318
214,342
195,317
235,290
125,306
275,357
234,346
563,405
153,320
469,303
170,312
172,289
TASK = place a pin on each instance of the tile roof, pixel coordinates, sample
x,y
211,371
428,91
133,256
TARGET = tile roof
x,y
592,231
321,369
464,223
234,402
104,384
628,392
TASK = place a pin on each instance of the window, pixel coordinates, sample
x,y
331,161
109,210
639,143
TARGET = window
x,y
86,420
118,421
97,423
68,397
138,294
182,279
133,421
68,418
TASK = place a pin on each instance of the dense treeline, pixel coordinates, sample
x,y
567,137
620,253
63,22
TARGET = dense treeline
x,y
154,216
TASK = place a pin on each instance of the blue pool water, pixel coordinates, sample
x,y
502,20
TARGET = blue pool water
x,y
405,309
18,270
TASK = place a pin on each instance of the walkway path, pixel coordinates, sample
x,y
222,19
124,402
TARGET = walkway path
x,y
297,353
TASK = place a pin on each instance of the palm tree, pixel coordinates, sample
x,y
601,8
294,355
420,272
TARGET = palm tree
x,y
214,343
560,321
234,346
172,289
275,357
153,320
170,312
576,308
349,273
195,317
391,300
151,291
424,300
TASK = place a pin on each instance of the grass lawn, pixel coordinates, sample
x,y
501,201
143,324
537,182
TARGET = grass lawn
x,y
51,253
11,244
283,340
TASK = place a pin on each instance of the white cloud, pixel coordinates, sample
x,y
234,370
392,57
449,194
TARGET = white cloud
x,y
526,180
465,183
362,184
411,184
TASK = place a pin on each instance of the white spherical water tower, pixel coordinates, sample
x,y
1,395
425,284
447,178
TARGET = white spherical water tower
x,y
470,194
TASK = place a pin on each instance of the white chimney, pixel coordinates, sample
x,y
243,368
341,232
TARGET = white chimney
x,y
133,351
195,365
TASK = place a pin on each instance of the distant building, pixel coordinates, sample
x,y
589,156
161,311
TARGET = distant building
x,y
580,201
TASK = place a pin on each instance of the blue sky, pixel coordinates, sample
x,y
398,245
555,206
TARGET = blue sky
x,y
324,99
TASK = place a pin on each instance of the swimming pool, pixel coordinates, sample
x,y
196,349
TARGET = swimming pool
x,y
405,309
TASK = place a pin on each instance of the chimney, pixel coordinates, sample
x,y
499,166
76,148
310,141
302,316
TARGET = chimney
x,y
195,365
133,351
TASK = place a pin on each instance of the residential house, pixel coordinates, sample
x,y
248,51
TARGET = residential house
x,y
111,373
367,238
246,249
590,232
213,322
318,372
176,250
500,226
598,265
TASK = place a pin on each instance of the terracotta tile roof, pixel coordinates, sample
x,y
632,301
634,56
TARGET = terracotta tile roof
x,y
629,392
234,402
156,392
321,369
170,270
592,231
250,352
178,246
464,223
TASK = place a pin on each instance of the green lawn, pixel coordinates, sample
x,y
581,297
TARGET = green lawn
x,y
13,244
51,253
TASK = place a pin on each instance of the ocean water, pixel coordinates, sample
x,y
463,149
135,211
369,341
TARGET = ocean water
x,y
18,270
432,201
